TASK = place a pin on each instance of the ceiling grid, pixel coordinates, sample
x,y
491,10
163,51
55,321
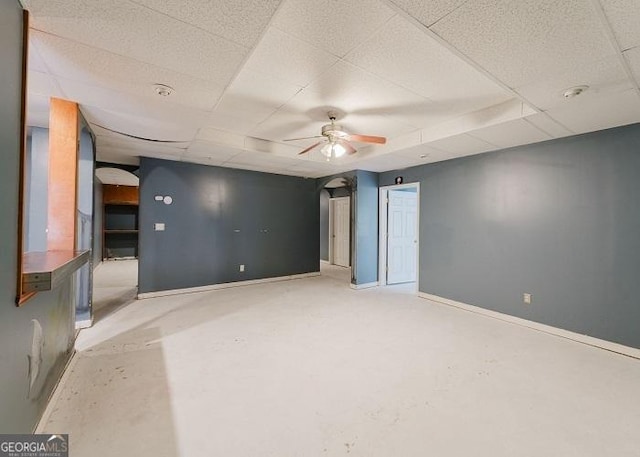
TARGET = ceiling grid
x,y
439,79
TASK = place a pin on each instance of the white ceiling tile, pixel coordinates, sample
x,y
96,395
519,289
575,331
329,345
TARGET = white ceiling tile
x,y
221,137
429,12
520,42
289,59
250,99
462,145
624,17
35,61
128,29
545,123
78,62
416,152
387,162
333,26
600,76
240,21
211,151
41,84
426,68
233,121
632,56
146,116
356,91
587,114
512,133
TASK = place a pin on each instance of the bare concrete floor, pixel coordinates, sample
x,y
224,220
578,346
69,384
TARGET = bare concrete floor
x,y
311,367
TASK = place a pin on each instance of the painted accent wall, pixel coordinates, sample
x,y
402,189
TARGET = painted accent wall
x,y
366,227
559,220
97,222
324,225
221,218
22,402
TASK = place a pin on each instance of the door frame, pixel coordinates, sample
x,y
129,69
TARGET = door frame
x,y
332,201
383,211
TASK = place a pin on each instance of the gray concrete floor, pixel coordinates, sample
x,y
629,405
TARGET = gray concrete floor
x,y
311,367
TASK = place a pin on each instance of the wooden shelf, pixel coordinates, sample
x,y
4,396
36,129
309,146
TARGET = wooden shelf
x,y
47,270
120,214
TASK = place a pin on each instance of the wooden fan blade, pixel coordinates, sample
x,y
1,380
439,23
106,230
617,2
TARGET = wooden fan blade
x,y
310,148
350,149
368,139
305,138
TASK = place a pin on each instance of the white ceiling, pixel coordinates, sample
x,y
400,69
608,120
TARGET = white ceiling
x,y
440,79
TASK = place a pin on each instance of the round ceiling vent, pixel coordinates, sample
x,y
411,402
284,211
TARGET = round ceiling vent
x,y
163,90
574,91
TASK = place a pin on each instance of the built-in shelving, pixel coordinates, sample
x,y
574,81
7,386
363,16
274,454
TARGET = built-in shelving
x,y
120,231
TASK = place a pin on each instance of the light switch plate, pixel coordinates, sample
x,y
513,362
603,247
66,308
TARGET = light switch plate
x,y
158,226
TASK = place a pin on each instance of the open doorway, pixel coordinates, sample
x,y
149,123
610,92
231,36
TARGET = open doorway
x,y
336,229
398,234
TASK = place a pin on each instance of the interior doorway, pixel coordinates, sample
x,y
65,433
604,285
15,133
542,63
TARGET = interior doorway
x,y
398,232
339,231
336,229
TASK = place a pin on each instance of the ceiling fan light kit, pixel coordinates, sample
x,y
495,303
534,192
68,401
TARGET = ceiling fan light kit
x,y
337,140
333,149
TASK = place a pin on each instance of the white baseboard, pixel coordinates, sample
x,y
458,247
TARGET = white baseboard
x,y
585,339
84,324
326,262
55,394
366,285
226,285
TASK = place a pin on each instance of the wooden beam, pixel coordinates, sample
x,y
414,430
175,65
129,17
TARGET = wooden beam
x,y
23,152
63,172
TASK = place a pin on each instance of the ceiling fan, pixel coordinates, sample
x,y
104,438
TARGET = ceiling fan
x,y
336,140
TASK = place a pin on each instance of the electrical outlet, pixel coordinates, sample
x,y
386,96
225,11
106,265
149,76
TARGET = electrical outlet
x,y
526,298
241,268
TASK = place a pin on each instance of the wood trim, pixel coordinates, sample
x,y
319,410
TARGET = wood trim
x,y
63,179
20,298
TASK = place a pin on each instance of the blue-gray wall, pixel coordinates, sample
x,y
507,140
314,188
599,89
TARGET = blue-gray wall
x,y
21,404
84,228
221,218
559,220
36,194
97,222
366,227
324,225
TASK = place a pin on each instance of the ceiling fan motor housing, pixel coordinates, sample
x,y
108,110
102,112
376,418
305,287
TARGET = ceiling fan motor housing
x,y
333,131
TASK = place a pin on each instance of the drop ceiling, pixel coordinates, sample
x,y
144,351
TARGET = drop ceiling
x,y
440,79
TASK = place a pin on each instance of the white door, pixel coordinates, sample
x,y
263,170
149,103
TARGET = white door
x,y
402,239
340,231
